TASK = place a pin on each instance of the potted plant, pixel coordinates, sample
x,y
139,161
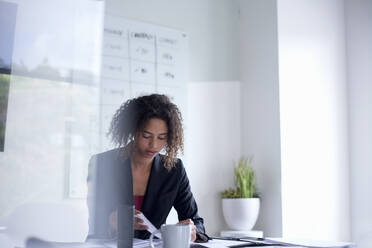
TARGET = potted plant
x,y
241,205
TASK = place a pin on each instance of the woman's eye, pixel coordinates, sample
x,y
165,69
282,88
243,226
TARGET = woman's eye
x,y
162,138
146,137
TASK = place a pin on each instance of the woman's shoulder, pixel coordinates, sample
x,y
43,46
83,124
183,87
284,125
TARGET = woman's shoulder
x,y
111,153
177,167
108,157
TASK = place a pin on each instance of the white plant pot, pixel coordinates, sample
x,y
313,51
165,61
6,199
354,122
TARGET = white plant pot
x,y
241,213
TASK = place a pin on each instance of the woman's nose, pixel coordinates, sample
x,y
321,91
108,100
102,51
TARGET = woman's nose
x,y
152,143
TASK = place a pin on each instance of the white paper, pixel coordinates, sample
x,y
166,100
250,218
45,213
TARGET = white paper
x,y
75,245
137,243
140,243
220,243
313,243
150,227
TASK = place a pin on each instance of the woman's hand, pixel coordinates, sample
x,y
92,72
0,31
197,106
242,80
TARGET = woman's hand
x,y
193,228
138,223
113,221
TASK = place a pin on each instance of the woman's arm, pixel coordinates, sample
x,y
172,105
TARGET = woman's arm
x,y
186,206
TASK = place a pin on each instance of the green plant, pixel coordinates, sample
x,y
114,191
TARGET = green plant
x,y
244,181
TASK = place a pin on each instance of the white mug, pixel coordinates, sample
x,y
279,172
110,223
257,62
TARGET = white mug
x,y
173,236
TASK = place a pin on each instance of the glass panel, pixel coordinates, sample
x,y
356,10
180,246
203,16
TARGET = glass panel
x,y
50,60
65,68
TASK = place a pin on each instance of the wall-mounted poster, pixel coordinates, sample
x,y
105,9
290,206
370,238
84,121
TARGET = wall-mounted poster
x,y
140,58
7,26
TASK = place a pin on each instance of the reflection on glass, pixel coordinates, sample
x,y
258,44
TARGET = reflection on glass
x,y
8,13
68,67
52,108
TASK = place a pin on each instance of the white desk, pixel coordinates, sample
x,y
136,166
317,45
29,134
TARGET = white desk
x,y
5,242
315,243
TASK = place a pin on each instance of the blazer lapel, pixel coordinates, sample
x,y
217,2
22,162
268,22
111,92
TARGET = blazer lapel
x,y
153,186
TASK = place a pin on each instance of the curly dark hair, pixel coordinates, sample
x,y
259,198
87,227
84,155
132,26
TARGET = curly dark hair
x,y
133,115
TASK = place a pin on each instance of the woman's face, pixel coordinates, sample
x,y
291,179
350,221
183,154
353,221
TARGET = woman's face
x,y
152,138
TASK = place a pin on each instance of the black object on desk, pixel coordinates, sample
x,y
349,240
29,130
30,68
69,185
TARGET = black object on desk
x,y
197,246
253,242
258,242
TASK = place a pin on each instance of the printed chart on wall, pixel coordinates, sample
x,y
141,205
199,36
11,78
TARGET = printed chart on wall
x,y
137,59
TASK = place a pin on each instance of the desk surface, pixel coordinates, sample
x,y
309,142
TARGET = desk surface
x,y
215,243
289,242
314,243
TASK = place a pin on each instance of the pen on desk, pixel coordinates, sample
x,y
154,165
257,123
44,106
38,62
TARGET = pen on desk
x,y
253,244
231,238
247,239
248,242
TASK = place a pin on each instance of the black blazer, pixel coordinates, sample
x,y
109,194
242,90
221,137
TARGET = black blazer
x,y
165,189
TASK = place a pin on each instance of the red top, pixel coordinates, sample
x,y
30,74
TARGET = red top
x,y
138,200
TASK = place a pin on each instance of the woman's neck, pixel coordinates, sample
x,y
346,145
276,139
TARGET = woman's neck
x,y
140,163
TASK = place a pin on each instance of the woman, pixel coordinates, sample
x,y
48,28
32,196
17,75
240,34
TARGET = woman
x,y
142,128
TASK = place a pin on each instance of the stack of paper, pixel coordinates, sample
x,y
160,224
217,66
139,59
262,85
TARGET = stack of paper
x,y
146,243
137,243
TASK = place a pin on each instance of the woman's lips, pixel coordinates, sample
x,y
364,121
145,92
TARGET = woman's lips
x,y
151,153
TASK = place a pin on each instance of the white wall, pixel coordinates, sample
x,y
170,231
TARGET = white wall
x,y
313,109
260,106
212,135
359,54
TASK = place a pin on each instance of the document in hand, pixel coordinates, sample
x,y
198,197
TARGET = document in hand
x,y
151,228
